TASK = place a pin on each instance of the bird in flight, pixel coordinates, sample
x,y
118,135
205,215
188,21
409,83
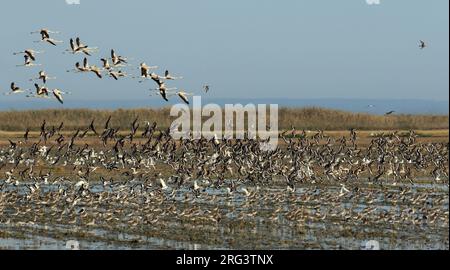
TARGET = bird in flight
x,y
422,44
58,95
45,36
390,112
183,95
14,89
206,88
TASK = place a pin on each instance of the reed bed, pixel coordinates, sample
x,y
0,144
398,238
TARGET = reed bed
x,y
300,118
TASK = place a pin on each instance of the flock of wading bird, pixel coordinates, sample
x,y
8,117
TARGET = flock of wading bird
x,y
112,66
138,176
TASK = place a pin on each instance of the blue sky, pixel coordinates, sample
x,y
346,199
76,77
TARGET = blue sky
x,y
243,49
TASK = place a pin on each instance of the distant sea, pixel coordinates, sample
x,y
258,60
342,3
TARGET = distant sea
x,y
373,106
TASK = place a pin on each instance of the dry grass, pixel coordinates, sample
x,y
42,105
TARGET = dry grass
x,y
304,118
317,118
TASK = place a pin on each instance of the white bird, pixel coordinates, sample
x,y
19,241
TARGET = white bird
x,y
41,92
81,68
163,90
117,74
117,59
30,52
105,64
44,32
15,89
168,76
196,186
51,41
343,190
183,96
96,70
246,192
28,62
79,47
163,184
58,95
43,76
290,189
82,184
145,70
45,36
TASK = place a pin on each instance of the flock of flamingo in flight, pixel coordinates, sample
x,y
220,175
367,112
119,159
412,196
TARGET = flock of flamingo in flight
x,y
111,66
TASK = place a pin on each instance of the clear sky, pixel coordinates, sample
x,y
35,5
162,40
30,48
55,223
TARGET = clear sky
x,y
251,48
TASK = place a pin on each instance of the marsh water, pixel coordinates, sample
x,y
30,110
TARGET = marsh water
x,y
311,217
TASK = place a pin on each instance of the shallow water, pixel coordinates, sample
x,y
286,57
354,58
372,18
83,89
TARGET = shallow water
x,y
245,224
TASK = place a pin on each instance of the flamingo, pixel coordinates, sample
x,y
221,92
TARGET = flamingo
x,y
58,95
43,76
117,74
41,92
117,59
183,95
30,52
45,36
28,62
